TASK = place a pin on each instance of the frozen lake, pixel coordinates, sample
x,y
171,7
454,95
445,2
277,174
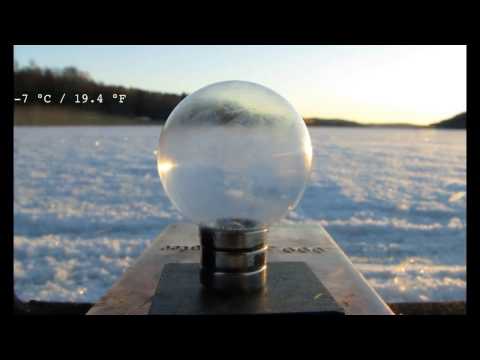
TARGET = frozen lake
x,y
88,200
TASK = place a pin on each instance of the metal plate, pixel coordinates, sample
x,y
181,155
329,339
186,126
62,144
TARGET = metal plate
x,y
292,288
132,293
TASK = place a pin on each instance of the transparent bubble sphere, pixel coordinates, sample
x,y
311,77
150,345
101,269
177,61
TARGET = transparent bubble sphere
x,y
232,153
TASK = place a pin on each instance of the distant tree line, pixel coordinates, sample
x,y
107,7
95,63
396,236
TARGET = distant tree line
x,y
32,80
156,106
457,122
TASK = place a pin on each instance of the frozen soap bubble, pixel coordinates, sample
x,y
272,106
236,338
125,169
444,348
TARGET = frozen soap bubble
x,y
234,153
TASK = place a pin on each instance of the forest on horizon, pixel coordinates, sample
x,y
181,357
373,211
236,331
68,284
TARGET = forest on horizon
x,y
70,80
143,105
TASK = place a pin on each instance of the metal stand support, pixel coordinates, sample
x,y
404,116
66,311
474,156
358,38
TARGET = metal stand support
x,y
234,256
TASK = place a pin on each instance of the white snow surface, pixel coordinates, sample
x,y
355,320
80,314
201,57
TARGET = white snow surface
x,y
88,201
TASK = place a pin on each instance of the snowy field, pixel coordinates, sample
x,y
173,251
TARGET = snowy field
x,y
88,200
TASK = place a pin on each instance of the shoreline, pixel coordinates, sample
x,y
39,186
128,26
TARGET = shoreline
x,y
43,117
388,127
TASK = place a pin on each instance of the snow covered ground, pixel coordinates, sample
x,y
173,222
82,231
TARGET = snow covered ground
x,y
88,200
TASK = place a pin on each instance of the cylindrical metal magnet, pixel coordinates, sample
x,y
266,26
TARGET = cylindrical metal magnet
x,y
234,259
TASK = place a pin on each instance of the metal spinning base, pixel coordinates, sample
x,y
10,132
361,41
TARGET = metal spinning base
x,y
234,256
291,288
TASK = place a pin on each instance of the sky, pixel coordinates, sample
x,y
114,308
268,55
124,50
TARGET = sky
x,y
418,84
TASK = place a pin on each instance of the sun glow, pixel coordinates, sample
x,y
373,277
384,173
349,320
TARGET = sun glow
x,y
388,84
164,166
